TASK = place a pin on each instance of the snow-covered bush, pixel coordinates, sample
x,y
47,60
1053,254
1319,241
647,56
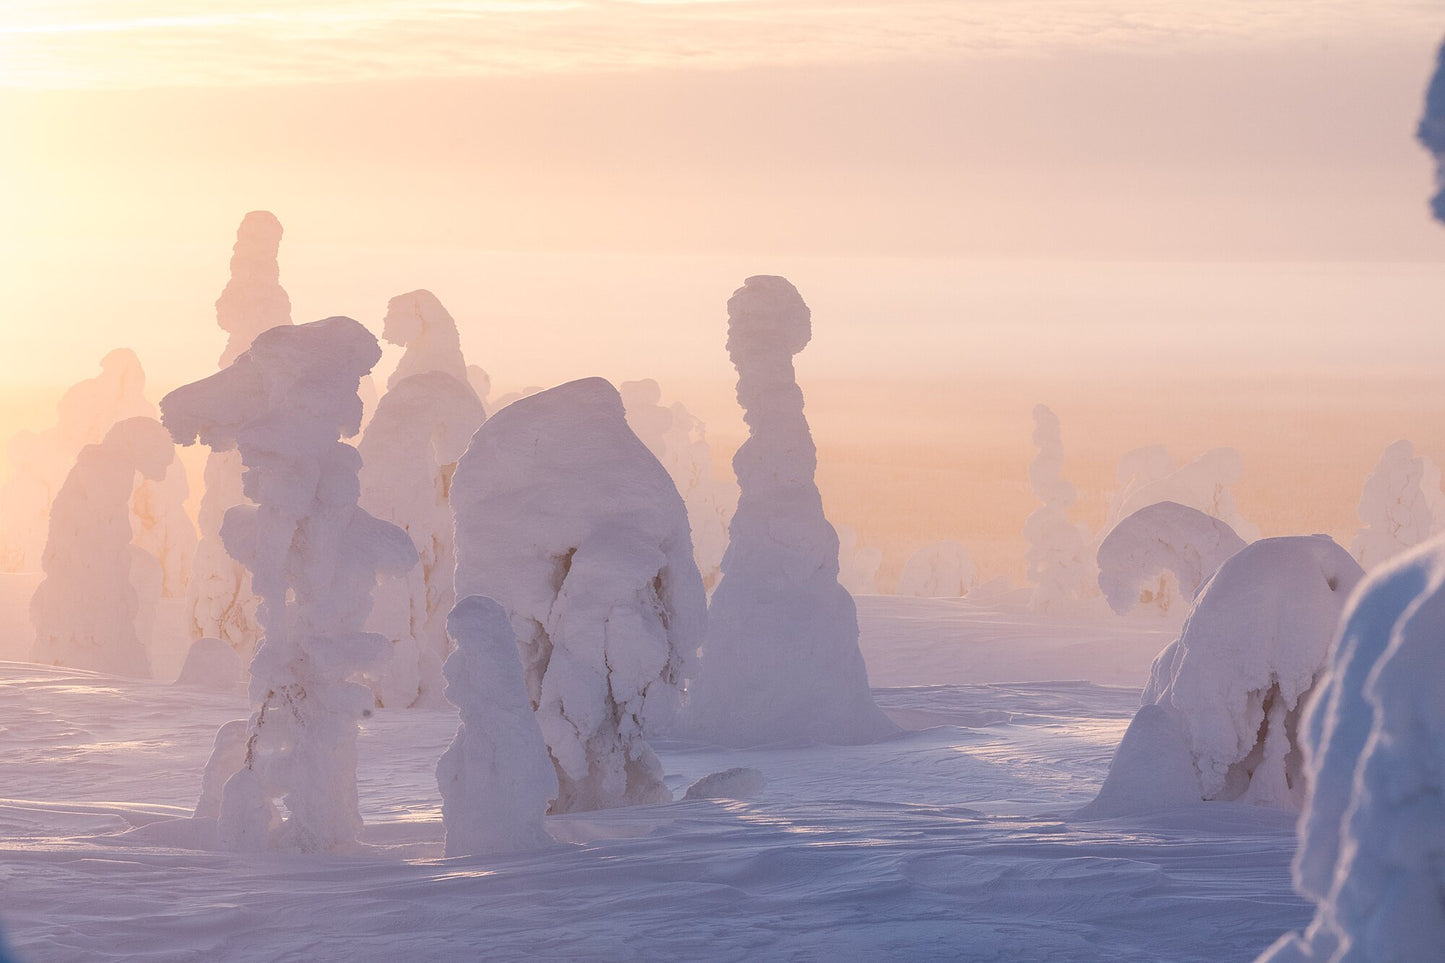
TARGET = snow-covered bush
x,y
496,779
1401,505
1231,688
1058,556
679,441
568,521
421,427
781,663
938,570
86,610
220,599
1161,556
1372,836
313,554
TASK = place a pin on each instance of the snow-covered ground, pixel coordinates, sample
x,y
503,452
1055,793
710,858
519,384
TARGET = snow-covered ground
x,y
951,841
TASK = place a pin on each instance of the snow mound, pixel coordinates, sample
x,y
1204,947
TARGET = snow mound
x,y
938,570
1244,667
314,555
87,612
1058,558
1151,770
740,782
1138,558
1372,837
568,521
496,779
782,663
212,664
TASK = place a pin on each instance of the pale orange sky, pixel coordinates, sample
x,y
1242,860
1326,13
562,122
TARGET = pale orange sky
x,y
987,204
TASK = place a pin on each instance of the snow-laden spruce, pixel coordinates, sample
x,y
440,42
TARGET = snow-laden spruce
x,y
568,521
781,663
220,599
496,778
1058,561
858,564
1148,476
679,441
938,570
86,610
1372,836
1160,556
313,555
410,449
1227,695
1401,505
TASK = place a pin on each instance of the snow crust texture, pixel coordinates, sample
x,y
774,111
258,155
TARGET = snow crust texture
x,y
569,522
939,570
1372,837
1234,684
496,778
313,554
86,611
220,599
782,663
1058,561
1161,556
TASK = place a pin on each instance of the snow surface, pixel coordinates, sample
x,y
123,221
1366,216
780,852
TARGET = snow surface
x,y
1372,837
569,522
1161,556
947,843
781,663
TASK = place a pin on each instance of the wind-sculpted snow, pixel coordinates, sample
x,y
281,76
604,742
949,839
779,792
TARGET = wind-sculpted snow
x,y
418,322
781,663
1431,132
313,554
938,570
1161,555
496,779
85,612
679,441
568,521
220,599
1401,505
1236,680
1058,557
1372,836
1148,476
421,427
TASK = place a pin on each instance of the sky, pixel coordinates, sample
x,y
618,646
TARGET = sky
x,y
1188,223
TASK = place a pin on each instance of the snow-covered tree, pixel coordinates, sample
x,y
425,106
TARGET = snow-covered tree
x,y
938,570
418,322
1222,708
220,599
496,778
86,611
858,564
782,662
1058,557
1161,556
1372,836
679,441
568,521
313,554
1148,476
1401,505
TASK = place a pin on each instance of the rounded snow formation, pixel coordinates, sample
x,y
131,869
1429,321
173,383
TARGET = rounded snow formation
x,y
417,321
496,779
739,782
782,663
568,521
1238,677
253,299
1151,770
85,611
212,664
938,570
314,556
1372,836
1162,538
